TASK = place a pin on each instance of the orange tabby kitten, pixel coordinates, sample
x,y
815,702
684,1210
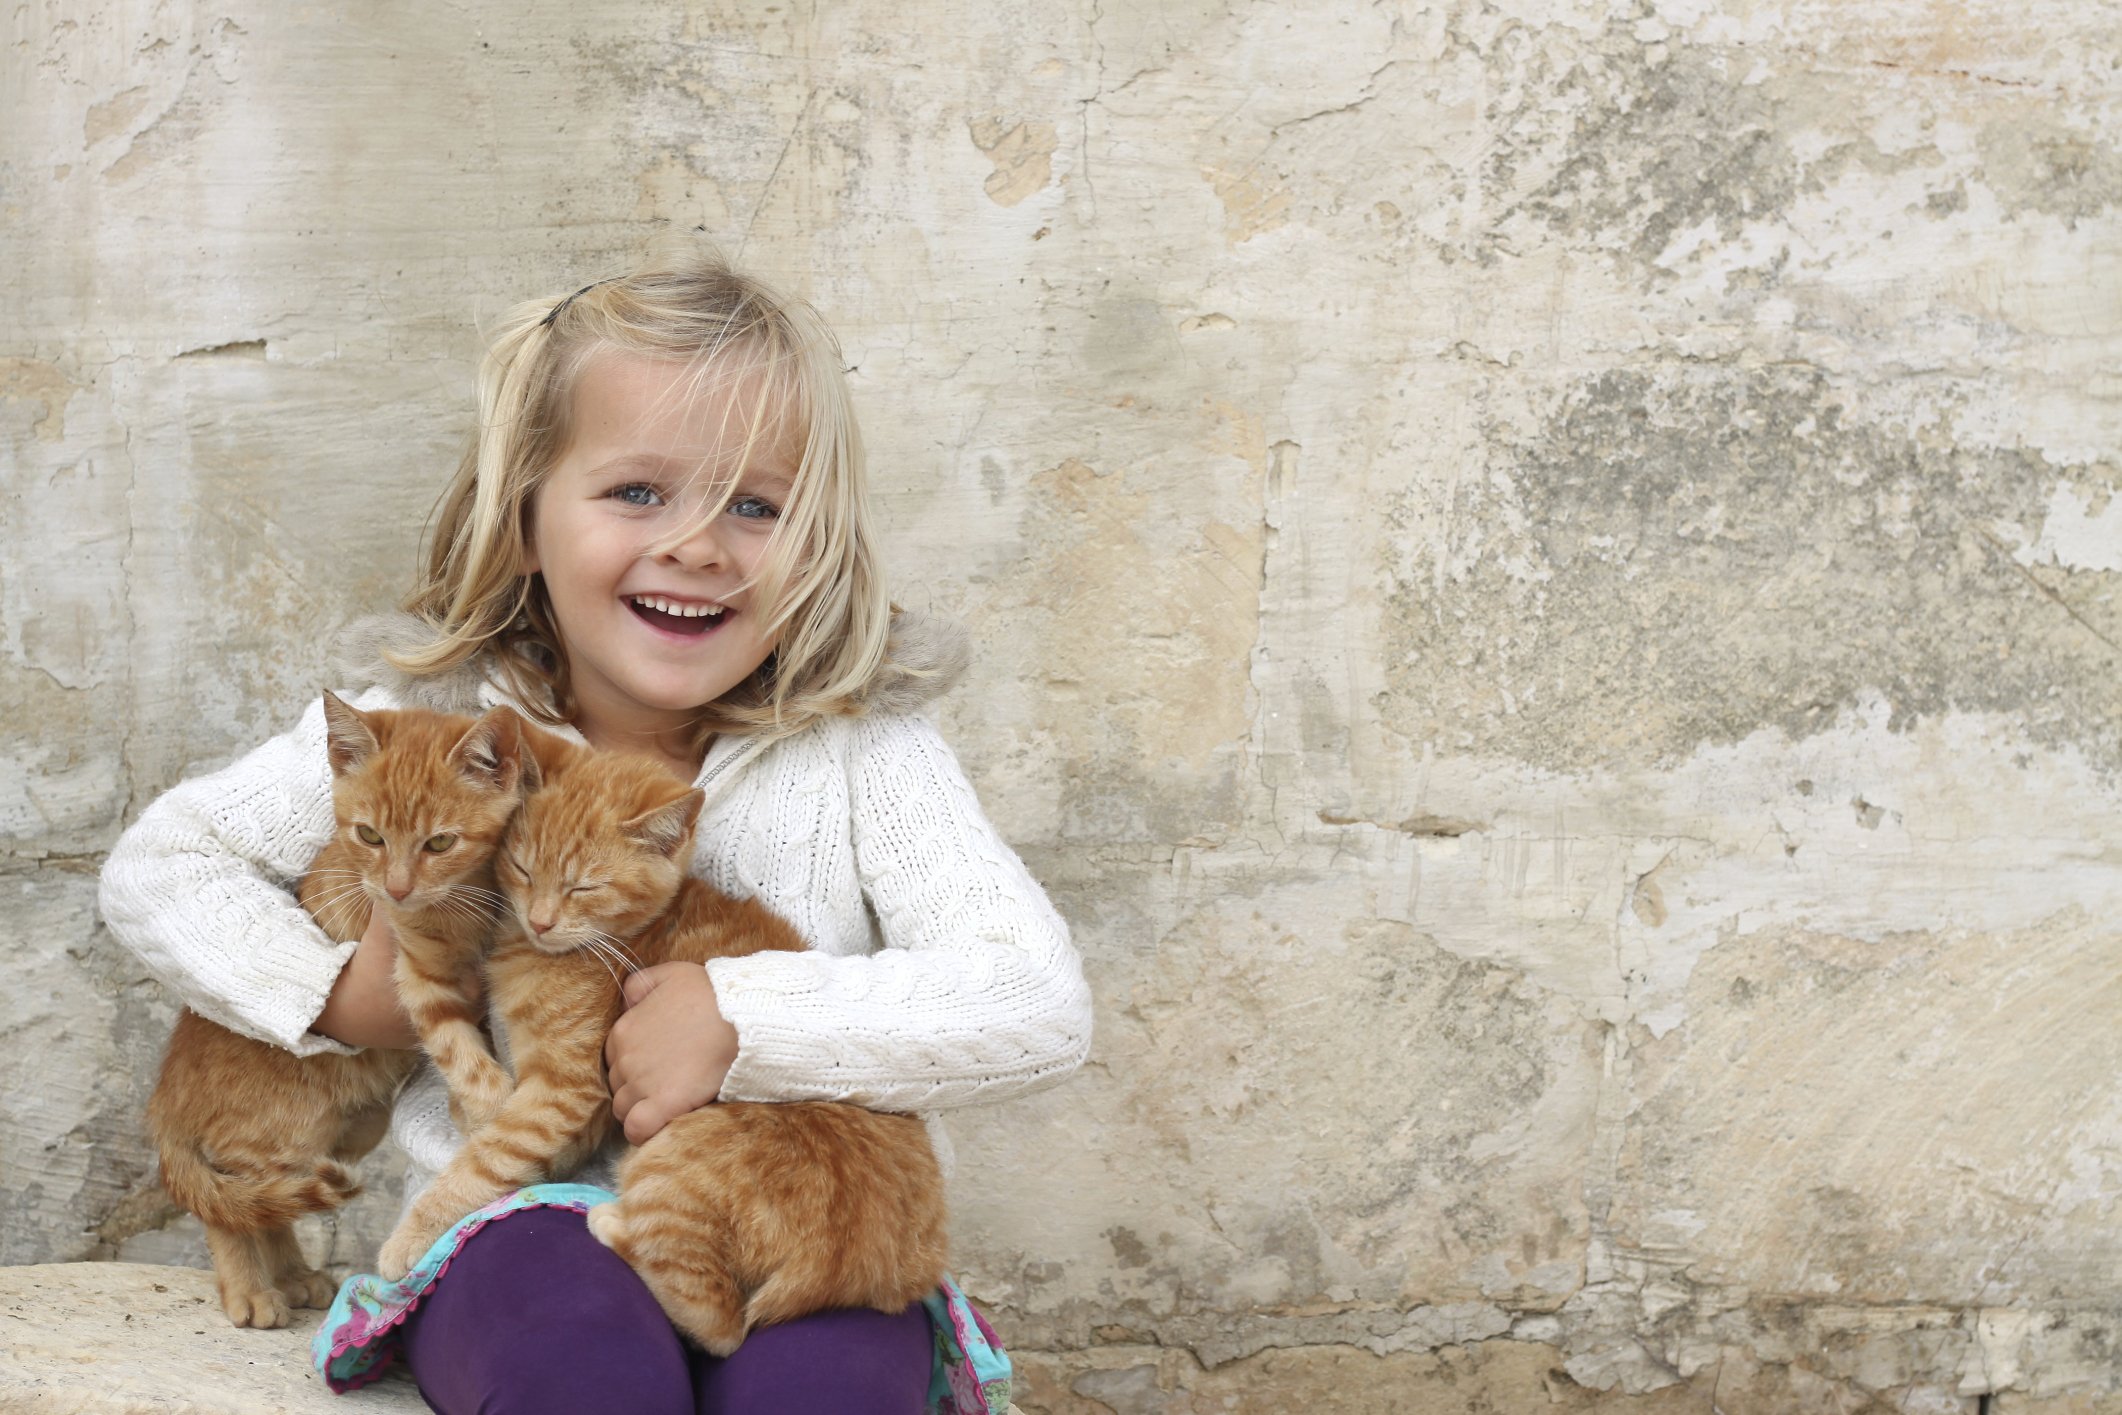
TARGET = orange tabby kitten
x,y
252,1137
431,824
737,1214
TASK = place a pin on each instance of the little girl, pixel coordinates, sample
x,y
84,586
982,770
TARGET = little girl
x,y
659,541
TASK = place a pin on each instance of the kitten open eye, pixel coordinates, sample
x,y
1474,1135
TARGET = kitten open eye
x,y
368,835
438,843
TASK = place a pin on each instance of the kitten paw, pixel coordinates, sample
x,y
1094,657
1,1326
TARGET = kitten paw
x,y
400,1251
262,1308
606,1225
307,1287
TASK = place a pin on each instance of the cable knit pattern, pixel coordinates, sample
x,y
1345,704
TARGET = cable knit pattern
x,y
976,993
939,976
201,888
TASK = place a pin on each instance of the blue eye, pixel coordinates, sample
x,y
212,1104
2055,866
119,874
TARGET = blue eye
x,y
753,508
637,494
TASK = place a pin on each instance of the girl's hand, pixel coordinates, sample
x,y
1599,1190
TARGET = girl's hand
x,y
363,1009
667,1054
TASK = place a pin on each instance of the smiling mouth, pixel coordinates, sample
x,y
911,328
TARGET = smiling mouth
x,y
676,616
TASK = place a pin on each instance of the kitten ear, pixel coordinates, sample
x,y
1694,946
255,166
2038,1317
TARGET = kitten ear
x,y
533,775
668,827
492,752
349,740
543,754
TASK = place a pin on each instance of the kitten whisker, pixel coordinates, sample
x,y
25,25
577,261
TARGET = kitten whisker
x,y
617,951
590,947
593,944
341,886
462,912
356,882
614,940
335,896
605,947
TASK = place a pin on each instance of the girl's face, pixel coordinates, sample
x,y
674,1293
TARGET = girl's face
x,y
651,635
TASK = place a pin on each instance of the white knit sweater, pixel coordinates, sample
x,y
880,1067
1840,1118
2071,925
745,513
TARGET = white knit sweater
x,y
938,974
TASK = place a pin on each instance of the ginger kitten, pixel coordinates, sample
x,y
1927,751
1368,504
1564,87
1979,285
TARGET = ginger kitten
x,y
430,808
736,1214
252,1137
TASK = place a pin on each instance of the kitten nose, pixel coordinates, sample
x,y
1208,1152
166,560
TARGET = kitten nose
x,y
541,926
398,893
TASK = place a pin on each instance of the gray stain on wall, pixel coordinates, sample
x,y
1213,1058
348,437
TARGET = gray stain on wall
x,y
1707,550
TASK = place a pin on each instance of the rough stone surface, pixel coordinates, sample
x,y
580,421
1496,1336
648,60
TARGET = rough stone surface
x,y
136,1339
1545,578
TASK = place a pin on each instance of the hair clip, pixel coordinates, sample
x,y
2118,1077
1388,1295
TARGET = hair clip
x,y
546,323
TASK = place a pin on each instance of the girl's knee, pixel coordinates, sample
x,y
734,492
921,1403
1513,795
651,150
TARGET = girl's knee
x,y
534,1316
585,1378
851,1362
559,1369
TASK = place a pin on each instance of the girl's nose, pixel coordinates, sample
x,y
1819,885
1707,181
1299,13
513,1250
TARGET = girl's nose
x,y
701,549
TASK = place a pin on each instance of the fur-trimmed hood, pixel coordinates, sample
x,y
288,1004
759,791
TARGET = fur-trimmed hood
x,y
923,660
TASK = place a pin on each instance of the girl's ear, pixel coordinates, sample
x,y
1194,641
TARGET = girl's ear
x,y
349,740
492,752
666,828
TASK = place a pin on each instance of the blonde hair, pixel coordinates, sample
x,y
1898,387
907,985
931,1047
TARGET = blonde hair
x,y
818,584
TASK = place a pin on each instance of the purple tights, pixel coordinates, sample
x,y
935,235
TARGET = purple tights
x,y
535,1315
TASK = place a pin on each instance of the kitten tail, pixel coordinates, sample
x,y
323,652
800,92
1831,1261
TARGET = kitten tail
x,y
255,1196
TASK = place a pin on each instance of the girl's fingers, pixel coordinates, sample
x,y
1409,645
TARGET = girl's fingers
x,y
643,1121
624,1100
641,984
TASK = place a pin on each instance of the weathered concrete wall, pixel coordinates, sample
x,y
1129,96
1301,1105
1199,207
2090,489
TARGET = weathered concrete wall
x,y
1546,578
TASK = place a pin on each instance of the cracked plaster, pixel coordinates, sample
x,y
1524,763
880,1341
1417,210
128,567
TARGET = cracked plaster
x,y
1544,578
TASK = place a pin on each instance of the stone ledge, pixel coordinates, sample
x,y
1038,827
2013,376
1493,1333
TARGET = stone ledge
x,y
131,1339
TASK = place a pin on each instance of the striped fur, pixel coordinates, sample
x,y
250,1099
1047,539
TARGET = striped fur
x,y
252,1137
741,1215
737,1214
417,778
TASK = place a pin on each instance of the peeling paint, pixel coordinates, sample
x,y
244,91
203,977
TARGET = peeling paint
x,y
1252,203
2081,530
1023,155
44,388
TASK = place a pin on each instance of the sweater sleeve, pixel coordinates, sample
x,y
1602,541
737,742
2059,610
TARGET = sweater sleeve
x,y
201,888
978,994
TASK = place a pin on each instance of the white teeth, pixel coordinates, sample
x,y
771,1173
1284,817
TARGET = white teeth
x,y
683,611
